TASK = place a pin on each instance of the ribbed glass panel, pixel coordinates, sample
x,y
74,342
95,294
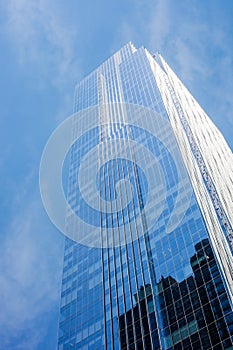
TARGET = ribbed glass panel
x,y
143,270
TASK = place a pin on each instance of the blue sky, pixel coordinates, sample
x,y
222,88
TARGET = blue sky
x,y
46,47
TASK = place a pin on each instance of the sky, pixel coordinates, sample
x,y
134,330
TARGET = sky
x,y
46,47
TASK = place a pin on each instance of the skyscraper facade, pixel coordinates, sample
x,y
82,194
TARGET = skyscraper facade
x,y
148,254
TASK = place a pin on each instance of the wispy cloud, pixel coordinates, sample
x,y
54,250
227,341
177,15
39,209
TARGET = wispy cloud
x,y
195,39
181,35
27,273
43,38
44,43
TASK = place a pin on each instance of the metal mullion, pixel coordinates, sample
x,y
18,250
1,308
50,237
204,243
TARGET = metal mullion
x,y
122,279
140,252
151,270
109,256
114,260
138,190
100,156
140,262
138,241
108,125
108,270
127,262
121,270
133,252
135,271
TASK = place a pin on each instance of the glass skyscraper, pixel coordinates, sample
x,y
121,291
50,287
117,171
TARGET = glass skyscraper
x,y
148,254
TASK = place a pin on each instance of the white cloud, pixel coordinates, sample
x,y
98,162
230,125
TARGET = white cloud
x,y
178,36
29,276
197,44
159,23
43,38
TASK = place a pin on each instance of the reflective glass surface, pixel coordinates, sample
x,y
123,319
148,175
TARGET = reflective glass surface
x,y
144,273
